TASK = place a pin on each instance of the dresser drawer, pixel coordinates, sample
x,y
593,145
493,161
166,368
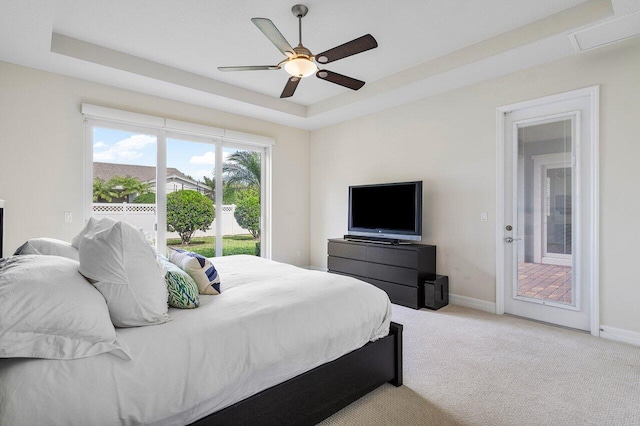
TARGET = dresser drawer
x,y
347,266
399,294
393,256
348,251
394,274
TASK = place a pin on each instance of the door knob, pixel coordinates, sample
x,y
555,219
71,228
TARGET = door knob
x,y
510,239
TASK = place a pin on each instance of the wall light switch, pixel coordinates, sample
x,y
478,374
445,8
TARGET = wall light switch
x,y
484,217
68,217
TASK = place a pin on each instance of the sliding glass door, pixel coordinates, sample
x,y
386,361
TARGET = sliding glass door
x,y
190,183
189,192
242,208
123,180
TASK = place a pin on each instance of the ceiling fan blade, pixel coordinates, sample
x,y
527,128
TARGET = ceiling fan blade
x,y
340,79
359,45
290,87
250,68
269,29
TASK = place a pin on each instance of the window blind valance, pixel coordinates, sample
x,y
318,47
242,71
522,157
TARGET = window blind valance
x,y
175,126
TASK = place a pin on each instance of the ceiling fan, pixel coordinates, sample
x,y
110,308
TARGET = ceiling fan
x,y
300,61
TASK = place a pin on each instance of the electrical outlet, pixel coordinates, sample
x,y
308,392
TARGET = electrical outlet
x,y
68,217
484,217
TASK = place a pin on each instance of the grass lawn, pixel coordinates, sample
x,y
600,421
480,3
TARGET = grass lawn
x,y
206,246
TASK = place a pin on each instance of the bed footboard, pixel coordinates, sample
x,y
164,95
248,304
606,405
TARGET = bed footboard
x,y
317,394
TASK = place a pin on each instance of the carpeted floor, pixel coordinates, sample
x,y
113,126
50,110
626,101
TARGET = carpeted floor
x,y
466,367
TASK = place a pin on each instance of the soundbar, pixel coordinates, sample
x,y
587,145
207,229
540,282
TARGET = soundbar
x,y
374,240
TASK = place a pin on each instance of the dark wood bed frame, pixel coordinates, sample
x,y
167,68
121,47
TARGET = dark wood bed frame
x,y
313,396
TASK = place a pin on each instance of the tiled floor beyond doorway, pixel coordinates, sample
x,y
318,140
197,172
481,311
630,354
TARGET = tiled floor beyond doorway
x,y
546,282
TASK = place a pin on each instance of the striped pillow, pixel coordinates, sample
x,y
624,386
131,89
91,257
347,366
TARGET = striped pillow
x,y
199,268
183,290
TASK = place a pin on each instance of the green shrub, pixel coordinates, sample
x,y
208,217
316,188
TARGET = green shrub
x,y
247,212
119,188
102,191
127,185
148,198
187,212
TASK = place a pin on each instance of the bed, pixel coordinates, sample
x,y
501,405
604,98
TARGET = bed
x,y
280,345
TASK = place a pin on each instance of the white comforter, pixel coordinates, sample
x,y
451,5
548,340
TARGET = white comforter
x,y
272,322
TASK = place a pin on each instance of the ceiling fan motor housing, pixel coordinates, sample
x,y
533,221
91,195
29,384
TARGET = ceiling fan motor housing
x,y
302,51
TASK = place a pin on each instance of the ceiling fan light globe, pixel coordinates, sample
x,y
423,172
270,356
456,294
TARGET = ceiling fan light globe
x,y
300,67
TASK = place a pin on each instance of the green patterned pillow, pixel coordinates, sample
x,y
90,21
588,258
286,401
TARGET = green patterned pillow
x,y
183,290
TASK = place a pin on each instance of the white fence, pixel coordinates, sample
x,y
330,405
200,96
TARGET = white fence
x,y
144,216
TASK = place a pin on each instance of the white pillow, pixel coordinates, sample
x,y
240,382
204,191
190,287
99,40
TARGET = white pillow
x,y
48,310
93,225
48,246
121,264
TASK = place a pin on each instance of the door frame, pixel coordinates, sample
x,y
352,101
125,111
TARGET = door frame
x,y
593,93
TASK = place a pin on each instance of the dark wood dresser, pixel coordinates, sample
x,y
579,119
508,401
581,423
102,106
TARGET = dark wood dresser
x,y
400,270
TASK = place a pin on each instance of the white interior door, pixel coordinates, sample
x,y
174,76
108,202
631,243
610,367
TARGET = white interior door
x,y
546,234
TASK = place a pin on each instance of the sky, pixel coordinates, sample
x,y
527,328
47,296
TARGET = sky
x,y
116,146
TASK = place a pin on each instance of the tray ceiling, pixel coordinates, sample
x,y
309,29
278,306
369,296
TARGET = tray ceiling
x,y
171,48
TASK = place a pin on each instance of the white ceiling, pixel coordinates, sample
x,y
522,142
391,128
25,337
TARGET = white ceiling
x,y
171,48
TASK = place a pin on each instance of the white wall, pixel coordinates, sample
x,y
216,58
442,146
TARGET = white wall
x,y
41,155
449,142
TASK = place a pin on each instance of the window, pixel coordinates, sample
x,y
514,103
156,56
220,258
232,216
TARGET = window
x,y
155,173
124,177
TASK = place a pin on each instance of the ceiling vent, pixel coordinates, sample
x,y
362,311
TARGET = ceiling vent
x,y
606,33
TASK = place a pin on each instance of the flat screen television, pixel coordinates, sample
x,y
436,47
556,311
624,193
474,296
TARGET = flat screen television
x,y
388,210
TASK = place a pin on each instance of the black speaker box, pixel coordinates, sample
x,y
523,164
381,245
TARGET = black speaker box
x,y
436,292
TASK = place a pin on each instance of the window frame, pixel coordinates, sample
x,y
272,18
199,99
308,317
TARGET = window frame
x,y
163,129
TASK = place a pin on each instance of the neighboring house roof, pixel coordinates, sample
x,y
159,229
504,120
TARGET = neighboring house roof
x,y
145,174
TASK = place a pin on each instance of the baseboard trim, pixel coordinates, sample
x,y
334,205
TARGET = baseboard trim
x,y
620,335
316,268
454,299
470,302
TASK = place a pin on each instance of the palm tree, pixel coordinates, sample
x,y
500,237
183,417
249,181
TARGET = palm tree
x,y
210,183
241,171
243,168
103,191
127,185
242,178
228,190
